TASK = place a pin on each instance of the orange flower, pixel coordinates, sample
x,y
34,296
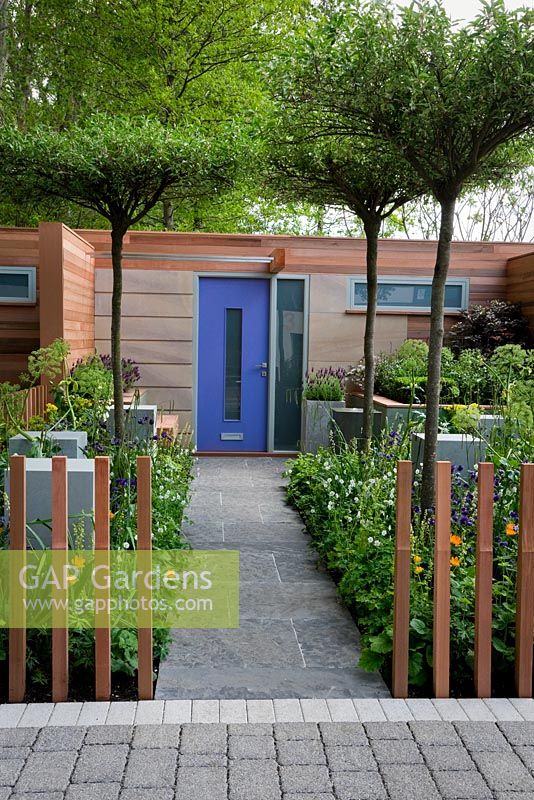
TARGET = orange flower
x,y
111,514
456,540
455,561
417,559
419,569
511,529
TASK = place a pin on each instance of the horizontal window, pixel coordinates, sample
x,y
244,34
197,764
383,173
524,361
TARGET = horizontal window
x,y
409,294
17,285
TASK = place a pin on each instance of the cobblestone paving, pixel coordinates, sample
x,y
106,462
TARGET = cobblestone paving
x,y
294,639
284,761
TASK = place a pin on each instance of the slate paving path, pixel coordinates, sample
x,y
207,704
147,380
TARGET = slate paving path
x,y
285,761
295,639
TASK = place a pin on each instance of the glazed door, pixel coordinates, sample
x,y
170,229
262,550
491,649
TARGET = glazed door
x,y
233,351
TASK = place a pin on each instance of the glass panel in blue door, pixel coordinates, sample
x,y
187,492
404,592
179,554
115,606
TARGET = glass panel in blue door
x,y
219,426
289,354
232,371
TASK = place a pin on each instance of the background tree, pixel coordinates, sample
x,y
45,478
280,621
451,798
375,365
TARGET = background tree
x,y
184,63
366,177
449,99
119,170
498,212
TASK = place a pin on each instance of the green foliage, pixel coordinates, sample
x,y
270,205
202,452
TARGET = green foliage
x,y
485,327
502,378
347,501
118,167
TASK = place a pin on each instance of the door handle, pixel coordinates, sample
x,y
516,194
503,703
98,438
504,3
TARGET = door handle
x,y
263,365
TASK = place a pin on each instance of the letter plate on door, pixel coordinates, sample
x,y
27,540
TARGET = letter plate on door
x,y
231,437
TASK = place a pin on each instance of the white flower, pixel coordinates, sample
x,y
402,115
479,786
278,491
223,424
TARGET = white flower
x,y
370,539
384,533
330,506
126,545
377,542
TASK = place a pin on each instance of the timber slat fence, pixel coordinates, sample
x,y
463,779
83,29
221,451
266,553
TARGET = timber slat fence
x,y
36,400
60,633
483,582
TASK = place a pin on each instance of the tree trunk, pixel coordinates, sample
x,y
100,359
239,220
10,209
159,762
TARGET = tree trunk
x,y
4,21
168,215
372,230
433,386
117,236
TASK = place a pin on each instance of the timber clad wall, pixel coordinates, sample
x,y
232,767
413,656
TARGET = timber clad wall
x,y
67,289
75,282
19,324
157,331
520,284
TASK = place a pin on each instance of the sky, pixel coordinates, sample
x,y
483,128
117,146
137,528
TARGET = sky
x,y
465,9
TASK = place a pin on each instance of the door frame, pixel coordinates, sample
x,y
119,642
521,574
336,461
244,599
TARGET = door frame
x,y
273,278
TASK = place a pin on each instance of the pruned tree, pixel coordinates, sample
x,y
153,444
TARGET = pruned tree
x,y
120,170
365,176
450,99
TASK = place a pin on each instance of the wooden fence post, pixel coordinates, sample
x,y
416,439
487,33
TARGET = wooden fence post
x,y
442,587
145,684
401,602
17,538
524,627
484,580
60,618
102,557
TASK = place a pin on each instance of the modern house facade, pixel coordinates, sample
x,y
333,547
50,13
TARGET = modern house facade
x,y
225,326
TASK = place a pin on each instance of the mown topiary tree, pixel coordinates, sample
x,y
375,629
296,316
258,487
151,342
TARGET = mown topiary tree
x,y
119,168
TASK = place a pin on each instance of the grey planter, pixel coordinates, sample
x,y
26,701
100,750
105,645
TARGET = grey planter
x,y
315,426
81,497
347,424
488,422
71,443
140,421
458,448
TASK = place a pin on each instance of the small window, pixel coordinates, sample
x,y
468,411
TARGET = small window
x,y
233,359
17,285
409,294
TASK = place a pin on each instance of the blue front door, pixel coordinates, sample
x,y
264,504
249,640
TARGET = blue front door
x,y
233,351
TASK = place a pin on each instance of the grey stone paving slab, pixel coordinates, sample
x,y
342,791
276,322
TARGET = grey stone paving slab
x,y
93,791
18,737
101,763
295,640
409,782
300,752
156,736
518,732
151,768
345,758
46,772
387,730
343,733
8,753
253,780
10,769
393,751
462,786
504,772
109,734
65,738
359,785
203,739
295,731
439,733
259,747
200,783
448,758
482,736
308,778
